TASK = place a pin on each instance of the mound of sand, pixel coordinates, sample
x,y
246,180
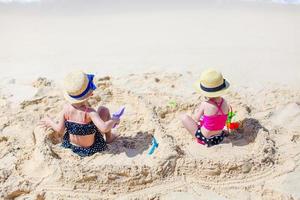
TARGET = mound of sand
x,y
258,156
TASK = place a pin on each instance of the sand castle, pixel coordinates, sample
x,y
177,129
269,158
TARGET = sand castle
x,y
253,161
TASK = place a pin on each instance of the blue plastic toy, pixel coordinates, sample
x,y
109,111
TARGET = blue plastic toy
x,y
153,147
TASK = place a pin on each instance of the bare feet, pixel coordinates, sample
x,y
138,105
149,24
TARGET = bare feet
x,y
110,137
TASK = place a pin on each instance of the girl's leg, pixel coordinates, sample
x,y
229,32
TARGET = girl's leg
x,y
105,116
189,124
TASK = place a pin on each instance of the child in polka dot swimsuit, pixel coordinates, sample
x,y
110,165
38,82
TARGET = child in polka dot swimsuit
x,y
211,115
84,127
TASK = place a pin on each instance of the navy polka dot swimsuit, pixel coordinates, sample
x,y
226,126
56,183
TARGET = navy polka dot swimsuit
x,y
214,140
83,129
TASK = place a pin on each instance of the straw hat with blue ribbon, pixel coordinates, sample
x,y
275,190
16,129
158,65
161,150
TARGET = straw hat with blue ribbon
x,y
211,83
78,86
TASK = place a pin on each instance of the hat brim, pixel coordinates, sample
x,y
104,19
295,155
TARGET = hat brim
x,y
74,101
211,94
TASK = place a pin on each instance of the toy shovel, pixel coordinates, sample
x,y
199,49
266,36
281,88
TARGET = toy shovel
x,y
118,114
153,147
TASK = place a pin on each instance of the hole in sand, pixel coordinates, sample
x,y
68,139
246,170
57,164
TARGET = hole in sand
x,y
251,138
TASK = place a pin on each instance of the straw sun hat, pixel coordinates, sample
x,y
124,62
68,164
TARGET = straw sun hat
x,y
78,86
211,83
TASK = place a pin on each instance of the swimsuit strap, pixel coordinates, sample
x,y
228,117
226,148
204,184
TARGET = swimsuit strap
x,y
85,114
219,106
67,113
85,117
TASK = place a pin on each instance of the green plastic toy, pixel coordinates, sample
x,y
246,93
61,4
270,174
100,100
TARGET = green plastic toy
x,y
172,104
229,124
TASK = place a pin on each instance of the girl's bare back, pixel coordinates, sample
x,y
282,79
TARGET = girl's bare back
x,y
79,115
210,109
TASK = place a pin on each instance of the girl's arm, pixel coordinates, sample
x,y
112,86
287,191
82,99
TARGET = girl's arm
x,y
199,112
103,126
57,127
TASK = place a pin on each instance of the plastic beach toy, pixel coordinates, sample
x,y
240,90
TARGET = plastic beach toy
x,y
153,147
231,125
119,113
172,104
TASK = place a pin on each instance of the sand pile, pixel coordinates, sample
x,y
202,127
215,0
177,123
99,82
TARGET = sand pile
x,y
253,163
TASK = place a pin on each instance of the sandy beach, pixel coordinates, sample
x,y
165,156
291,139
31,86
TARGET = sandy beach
x,y
146,56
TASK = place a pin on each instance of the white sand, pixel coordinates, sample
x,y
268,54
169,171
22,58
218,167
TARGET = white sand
x,y
241,39
256,45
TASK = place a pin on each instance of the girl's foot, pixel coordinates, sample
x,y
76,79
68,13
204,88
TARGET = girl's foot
x,y
111,137
226,133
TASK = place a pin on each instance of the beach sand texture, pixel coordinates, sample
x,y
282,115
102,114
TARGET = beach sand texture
x,y
146,57
260,161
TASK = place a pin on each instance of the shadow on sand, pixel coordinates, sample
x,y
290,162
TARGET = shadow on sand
x,y
246,133
131,145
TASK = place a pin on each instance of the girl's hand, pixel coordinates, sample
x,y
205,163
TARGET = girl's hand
x,y
46,122
116,120
57,127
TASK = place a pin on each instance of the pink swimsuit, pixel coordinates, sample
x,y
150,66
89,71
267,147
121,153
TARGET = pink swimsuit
x,y
212,123
215,122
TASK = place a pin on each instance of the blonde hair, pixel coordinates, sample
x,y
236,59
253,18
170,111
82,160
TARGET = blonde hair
x,y
211,98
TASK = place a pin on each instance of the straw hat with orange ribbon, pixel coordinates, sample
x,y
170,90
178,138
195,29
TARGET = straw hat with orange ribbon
x,y
211,83
78,86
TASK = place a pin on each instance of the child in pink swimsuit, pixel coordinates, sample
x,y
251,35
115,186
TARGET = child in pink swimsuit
x,y
211,115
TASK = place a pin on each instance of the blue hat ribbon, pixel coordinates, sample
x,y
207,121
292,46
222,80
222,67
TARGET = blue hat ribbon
x,y
91,86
